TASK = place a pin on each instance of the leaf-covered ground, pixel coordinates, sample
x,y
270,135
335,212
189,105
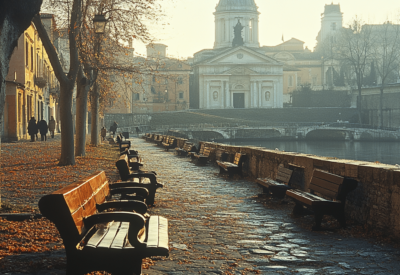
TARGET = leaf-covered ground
x,y
29,170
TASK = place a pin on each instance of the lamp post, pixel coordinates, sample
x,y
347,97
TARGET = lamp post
x,y
99,23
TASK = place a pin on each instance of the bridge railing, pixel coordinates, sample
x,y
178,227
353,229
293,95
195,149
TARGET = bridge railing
x,y
359,126
253,125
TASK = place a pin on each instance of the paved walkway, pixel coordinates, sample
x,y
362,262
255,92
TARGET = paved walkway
x,y
219,226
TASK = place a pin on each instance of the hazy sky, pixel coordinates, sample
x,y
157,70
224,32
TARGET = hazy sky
x,y
191,22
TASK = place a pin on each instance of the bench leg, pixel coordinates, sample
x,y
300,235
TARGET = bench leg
x,y
298,210
318,220
341,217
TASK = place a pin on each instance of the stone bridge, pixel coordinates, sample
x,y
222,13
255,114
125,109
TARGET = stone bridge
x,y
291,131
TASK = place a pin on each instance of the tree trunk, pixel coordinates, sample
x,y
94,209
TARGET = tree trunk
x,y
81,116
95,116
381,108
359,107
67,127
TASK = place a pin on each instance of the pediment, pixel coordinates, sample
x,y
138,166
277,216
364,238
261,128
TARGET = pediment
x,y
285,56
242,55
240,70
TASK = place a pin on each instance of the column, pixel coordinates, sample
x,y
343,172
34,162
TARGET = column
x,y
255,94
223,84
251,94
208,95
228,97
260,94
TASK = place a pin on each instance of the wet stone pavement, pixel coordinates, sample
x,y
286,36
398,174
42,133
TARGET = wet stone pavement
x,y
219,226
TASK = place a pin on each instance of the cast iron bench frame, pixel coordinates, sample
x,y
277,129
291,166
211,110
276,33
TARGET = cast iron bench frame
x,y
278,186
331,199
232,168
126,176
100,241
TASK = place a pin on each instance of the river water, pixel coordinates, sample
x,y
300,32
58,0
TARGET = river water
x,y
383,152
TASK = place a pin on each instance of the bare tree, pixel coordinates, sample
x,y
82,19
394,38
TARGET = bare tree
x,y
386,55
15,18
354,47
67,81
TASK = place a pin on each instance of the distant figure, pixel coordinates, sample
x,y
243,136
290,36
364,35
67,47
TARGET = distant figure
x,y
137,131
114,127
103,133
42,125
32,128
52,126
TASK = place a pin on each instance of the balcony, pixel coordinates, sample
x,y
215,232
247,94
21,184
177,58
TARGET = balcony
x,y
40,82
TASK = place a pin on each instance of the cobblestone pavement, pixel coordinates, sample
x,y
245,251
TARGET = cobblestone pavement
x,y
219,226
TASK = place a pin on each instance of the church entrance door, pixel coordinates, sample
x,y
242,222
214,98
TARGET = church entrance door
x,y
238,100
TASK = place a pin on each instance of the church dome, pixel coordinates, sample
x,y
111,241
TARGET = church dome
x,y
236,5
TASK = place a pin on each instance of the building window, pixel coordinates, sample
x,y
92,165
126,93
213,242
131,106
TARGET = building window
x,y
180,81
32,58
215,95
267,96
180,95
333,26
314,80
27,55
166,81
153,90
290,81
298,81
154,78
136,96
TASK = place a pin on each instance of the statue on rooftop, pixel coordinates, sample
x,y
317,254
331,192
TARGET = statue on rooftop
x,y
238,39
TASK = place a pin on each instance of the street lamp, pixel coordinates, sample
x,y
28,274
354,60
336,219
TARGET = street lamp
x,y
99,22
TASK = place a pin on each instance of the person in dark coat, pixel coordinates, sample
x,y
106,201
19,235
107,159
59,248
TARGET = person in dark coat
x,y
114,127
32,128
52,126
42,125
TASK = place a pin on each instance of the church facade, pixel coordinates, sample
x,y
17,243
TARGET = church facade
x,y
236,73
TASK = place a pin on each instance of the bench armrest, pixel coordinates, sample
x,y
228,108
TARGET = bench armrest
x,y
138,190
127,205
123,184
150,176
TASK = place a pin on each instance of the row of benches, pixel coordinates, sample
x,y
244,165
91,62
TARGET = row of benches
x,y
326,195
103,233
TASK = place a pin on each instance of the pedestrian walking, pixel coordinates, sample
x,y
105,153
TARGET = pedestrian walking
x,y
42,125
32,128
52,126
137,131
114,128
103,133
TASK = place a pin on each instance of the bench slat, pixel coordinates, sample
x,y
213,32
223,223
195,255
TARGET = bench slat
x,y
320,183
152,239
324,192
328,176
110,235
120,238
163,232
97,237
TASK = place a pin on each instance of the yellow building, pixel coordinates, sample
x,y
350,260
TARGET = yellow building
x,y
31,86
301,66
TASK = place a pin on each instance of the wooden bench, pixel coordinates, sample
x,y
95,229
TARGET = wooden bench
x,y
100,241
221,155
278,186
202,158
158,139
200,152
135,162
232,168
327,196
125,174
187,148
170,143
149,137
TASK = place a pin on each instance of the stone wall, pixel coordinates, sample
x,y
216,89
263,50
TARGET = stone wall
x,y
375,202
